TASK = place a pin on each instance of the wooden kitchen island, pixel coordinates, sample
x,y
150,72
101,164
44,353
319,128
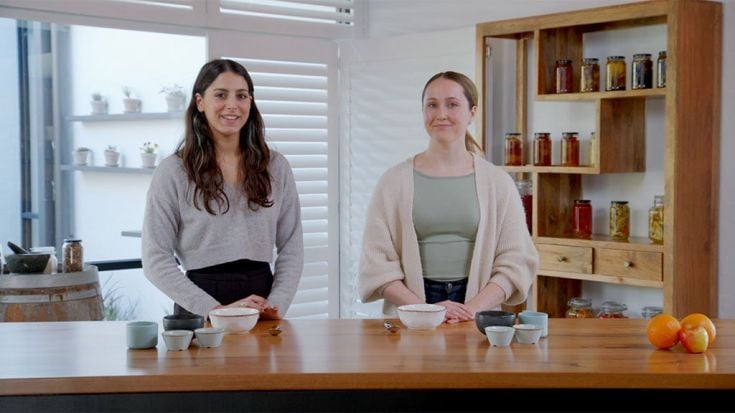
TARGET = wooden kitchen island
x,y
355,365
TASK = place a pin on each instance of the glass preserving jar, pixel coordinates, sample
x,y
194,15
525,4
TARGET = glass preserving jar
x,y
612,309
619,220
73,255
642,70
661,69
589,75
582,219
525,189
579,307
615,73
564,76
651,311
542,149
513,149
593,149
656,220
569,149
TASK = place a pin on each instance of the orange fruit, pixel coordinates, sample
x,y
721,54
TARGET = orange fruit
x,y
663,331
698,319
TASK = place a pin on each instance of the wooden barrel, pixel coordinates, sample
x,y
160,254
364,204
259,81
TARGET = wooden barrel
x,y
75,296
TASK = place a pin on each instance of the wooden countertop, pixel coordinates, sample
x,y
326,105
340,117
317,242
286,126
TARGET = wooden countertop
x,y
92,358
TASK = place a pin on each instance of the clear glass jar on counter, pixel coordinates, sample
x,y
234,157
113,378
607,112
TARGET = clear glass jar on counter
x,y
589,75
582,219
513,149
619,220
642,71
73,255
661,69
53,263
564,76
580,307
615,73
651,311
542,149
525,189
569,149
612,309
656,220
593,149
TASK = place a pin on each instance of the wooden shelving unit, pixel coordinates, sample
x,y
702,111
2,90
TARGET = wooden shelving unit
x,y
685,266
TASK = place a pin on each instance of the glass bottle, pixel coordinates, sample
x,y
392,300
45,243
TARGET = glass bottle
x,y
513,149
582,219
651,311
619,220
542,149
589,75
615,73
642,70
569,149
612,309
593,149
525,189
661,69
564,76
73,255
579,307
656,220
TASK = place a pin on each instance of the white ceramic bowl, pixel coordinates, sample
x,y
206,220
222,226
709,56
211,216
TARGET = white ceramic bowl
x,y
234,320
528,333
421,316
499,336
209,337
177,339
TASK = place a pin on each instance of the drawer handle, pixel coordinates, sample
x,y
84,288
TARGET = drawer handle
x,y
628,264
562,259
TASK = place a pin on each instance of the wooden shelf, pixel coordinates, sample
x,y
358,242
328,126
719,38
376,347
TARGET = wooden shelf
x,y
609,279
620,94
117,117
108,169
585,170
604,241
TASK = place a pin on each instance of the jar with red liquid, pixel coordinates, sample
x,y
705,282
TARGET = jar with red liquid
x,y
513,149
525,189
542,149
564,76
582,219
569,149
612,309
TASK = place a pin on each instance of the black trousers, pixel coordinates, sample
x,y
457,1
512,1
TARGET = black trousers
x,y
232,281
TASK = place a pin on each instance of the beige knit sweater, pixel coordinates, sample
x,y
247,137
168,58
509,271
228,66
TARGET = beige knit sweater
x,y
504,253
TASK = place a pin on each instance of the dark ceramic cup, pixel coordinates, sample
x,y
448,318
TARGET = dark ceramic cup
x,y
183,322
493,318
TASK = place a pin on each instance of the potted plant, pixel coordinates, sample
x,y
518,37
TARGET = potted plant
x,y
99,104
130,104
112,156
148,154
175,97
81,156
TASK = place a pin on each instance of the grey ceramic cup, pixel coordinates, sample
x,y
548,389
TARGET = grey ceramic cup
x,y
142,334
536,318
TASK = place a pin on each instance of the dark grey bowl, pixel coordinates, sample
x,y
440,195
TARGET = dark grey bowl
x,y
27,263
493,318
183,322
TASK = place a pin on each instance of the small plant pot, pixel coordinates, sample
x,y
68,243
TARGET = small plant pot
x,y
99,107
112,158
175,103
81,158
132,105
148,160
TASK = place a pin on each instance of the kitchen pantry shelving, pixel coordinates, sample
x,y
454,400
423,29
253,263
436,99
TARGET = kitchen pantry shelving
x,y
685,265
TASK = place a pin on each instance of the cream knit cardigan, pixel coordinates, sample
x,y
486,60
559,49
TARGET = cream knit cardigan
x,y
504,253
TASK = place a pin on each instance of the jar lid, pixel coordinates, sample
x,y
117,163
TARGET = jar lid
x,y
569,134
662,53
542,134
642,56
616,58
72,240
651,310
590,60
564,62
582,201
619,202
612,307
580,302
512,134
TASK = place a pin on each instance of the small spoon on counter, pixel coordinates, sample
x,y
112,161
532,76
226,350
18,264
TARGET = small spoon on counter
x,y
275,331
390,327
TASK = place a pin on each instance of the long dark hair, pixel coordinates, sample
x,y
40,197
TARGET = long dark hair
x,y
197,152
470,92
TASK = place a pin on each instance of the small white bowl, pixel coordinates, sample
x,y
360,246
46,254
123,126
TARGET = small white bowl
x,y
499,336
209,337
528,333
234,319
177,339
421,316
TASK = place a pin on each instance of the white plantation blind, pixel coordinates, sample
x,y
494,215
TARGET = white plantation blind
x,y
319,11
293,99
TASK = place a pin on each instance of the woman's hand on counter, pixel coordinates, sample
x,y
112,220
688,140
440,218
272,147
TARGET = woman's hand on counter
x,y
456,312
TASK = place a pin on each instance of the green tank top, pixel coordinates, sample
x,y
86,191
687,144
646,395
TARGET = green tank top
x,y
446,213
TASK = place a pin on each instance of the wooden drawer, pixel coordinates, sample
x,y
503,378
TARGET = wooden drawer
x,y
565,258
629,264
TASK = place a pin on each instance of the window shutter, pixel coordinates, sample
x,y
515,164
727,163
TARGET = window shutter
x,y
318,11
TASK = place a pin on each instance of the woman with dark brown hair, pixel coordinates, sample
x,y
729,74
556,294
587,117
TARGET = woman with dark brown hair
x,y
221,203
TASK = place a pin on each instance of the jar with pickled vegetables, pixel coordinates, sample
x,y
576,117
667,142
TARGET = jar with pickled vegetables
x,y
651,311
642,71
615,73
569,149
619,220
513,149
589,76
542,149
564,76
580,307
656,220
612,309
661,69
